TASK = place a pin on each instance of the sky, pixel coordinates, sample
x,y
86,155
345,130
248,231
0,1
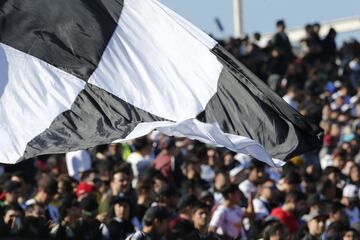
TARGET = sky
x,y
261,15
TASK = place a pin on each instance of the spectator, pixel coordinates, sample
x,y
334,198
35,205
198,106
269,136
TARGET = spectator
x,y
155,224
47,188
140,160
227,218
256,176
120,226
316,225
286,213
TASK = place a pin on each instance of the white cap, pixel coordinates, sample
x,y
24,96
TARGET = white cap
x,y
351,191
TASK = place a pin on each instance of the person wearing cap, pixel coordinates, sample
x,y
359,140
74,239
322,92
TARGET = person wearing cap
x,y
120,226
315,222
182,225
228,216
83,190
155,225
350,199
285,213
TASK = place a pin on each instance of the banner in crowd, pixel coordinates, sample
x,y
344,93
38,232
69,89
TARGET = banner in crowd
x,y
75,74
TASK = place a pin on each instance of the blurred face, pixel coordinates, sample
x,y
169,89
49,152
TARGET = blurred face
x,y
120,183
335,130
267,191
337,216
338,162
44,197
316,226
234,197
276,236
228,159
212,157
220,181
122,211
192,170
350,235
256,175
158,184
12,197
200,218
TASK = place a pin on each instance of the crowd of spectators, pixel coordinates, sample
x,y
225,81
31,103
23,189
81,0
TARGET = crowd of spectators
x,y
160,187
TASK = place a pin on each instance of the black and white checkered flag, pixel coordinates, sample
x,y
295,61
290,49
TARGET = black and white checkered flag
x,y
75,74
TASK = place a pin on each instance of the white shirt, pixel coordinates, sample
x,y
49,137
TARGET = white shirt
x,y
260,208
228,221
77,162
247,187
138,164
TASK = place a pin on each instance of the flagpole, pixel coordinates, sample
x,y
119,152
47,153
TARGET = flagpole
x,y
238,21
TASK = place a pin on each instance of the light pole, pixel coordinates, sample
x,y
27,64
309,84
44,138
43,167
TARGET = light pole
x,y
238,21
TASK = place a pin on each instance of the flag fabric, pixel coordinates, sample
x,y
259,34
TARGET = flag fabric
x,y
75,74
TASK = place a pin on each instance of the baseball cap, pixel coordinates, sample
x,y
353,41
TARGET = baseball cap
x,y
351,191
84,188
156,212
187,200
312,215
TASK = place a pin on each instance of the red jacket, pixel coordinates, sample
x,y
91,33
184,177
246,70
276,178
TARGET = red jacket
x,y
286,218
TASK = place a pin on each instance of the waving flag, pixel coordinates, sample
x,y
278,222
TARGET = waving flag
x,y
75,74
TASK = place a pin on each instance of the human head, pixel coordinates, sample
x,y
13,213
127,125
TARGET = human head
x,y
280,26
121,208
155,221
275,231
268,190
336,212
89,207
121,181
350,196
290,181
256,171
200,216
291,200
13,218
231,194
315,222
12,190
185,205
47,188
84,189
143,145
221,178
350,234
